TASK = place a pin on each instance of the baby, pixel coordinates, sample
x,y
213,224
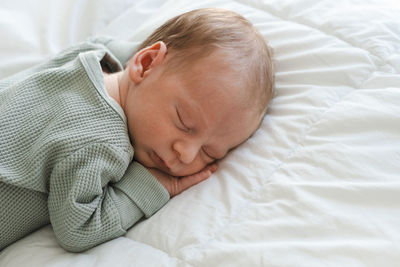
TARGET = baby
x,y
93,140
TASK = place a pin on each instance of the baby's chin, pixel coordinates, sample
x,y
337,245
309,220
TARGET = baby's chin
x,y
178,173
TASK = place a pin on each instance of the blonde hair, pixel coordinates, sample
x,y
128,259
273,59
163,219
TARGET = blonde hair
x,y
196,34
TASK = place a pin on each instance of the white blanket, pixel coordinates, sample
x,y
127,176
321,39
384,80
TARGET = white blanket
x,y
317,185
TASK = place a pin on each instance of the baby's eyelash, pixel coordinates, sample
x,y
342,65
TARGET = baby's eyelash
x,y
186,129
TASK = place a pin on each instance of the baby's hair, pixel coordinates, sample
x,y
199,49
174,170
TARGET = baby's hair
x,y
196,34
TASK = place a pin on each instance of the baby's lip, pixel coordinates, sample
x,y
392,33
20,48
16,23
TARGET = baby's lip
x,y
159,161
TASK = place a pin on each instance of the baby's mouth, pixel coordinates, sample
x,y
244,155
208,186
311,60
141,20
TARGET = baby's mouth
x,y
159,161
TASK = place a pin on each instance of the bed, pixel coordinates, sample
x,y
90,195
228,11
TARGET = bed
x,y
317,185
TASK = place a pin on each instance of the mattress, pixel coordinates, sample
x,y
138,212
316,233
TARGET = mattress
x,y
317,185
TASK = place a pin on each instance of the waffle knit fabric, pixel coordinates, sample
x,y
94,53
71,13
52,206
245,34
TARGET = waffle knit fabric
x,y
65,152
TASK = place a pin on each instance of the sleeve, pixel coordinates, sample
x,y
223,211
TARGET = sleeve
x,y
93,198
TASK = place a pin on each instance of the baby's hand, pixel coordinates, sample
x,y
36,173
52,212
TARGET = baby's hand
x,y
176,185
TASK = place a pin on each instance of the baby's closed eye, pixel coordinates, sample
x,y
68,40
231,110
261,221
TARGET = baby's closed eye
x,y
182,126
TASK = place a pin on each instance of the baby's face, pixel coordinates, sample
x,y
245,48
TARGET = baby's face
x,y
181,122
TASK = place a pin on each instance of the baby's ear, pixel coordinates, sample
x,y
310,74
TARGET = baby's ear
x,y
144,61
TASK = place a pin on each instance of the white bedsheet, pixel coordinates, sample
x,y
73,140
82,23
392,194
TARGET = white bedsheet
x,y
317,185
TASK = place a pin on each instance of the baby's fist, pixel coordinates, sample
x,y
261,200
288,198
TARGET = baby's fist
x,y
176,185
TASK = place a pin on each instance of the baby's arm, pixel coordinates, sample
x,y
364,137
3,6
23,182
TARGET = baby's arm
x,y
93,198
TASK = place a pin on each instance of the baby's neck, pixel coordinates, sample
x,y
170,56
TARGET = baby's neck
x,y
111,82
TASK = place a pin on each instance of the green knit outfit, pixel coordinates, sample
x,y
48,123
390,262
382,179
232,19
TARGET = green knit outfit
x,y
65,152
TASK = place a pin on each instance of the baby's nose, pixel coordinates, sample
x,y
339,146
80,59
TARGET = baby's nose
x,y
187,151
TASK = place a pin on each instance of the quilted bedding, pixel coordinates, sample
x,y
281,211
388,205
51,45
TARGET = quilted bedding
x,y
317,185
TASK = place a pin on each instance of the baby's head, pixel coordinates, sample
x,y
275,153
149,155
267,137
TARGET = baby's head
x,y
198,87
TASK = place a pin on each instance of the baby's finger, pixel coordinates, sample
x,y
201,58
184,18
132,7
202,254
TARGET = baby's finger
x,y
213,167
189,181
